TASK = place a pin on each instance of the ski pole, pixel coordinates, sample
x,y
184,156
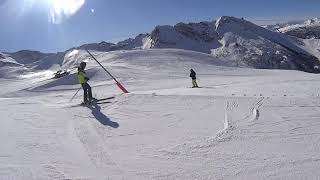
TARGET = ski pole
x,y
118,83
75,94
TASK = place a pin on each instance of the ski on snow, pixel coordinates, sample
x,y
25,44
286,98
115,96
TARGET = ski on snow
x,y
102,99
95,102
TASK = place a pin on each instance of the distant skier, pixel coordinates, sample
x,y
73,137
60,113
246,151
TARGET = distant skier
x,y
83,80
194,78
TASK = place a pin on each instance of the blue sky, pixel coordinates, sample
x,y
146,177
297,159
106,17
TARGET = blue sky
x,y
26,24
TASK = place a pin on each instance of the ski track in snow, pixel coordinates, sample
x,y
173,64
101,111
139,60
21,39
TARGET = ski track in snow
x,y
96,149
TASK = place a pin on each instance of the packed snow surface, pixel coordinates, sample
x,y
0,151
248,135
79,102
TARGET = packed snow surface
x,y
242,124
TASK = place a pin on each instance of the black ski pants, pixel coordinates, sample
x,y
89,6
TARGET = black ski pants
x,y
87,96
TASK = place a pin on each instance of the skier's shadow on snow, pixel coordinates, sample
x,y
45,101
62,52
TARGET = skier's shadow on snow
x,y
102,118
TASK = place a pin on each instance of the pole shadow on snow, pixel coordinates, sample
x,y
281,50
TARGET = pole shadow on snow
x,y
102,118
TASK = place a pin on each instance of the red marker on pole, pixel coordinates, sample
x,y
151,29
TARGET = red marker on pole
x,y
123,89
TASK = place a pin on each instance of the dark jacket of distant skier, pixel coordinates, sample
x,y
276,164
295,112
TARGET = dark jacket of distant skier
x,y
83,80
193,75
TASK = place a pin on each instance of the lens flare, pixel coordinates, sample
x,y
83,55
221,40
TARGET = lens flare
x,y
61,9
58,10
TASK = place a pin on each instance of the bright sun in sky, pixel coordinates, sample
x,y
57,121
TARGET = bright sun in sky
x,y
64,8
59,9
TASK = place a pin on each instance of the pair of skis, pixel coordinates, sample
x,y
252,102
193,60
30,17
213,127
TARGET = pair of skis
x,y
95,102
103,100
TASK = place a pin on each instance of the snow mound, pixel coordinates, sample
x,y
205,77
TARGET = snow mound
x,y
129,65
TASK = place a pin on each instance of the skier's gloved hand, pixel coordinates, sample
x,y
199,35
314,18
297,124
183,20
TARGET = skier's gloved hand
x,y
87,79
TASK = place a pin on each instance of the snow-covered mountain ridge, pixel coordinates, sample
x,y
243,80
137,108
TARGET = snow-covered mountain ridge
x,y
309,29
236,42
243,43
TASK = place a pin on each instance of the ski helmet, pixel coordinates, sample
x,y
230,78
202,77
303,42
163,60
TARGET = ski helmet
x,y
83,65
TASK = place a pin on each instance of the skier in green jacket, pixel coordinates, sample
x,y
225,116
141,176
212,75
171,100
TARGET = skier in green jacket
x,y
83,80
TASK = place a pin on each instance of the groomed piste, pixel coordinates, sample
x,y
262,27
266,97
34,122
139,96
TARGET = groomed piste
x,y
241,124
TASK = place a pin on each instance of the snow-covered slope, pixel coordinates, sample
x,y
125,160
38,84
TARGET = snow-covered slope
x,y
243,43
36,59
6,60
102,46
313,46
249,45
133,43
28,64
242,124
128,44
9,67
24,63
194,36
309,29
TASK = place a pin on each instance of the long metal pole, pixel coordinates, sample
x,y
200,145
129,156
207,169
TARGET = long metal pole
x,y
101,65
118,83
